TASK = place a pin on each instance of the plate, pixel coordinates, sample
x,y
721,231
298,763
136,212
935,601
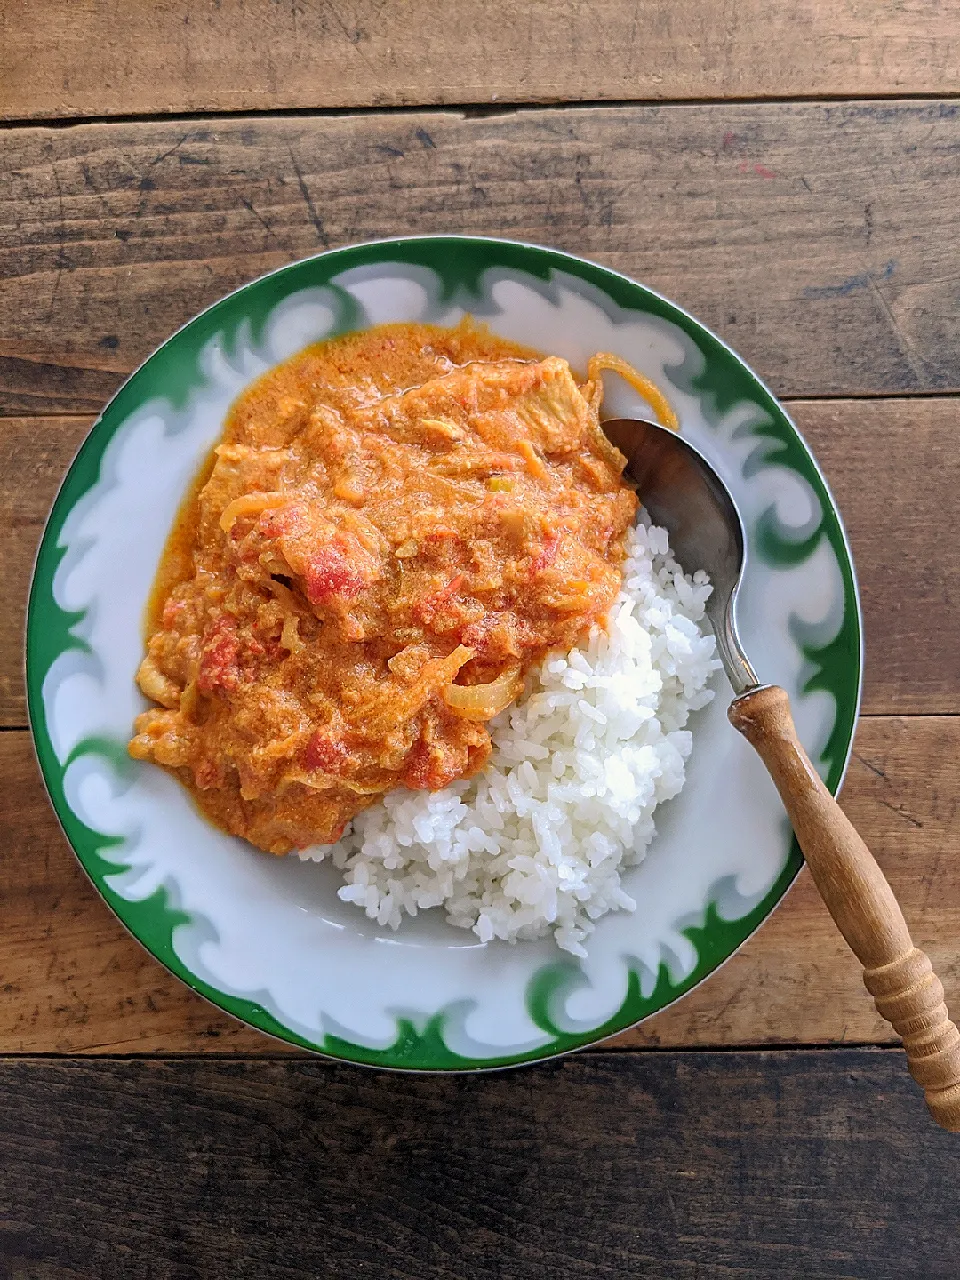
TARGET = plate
x,y
266,938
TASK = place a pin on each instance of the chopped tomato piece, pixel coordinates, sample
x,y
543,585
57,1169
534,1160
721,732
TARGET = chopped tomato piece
x,y
209,773
324,752
452,587
546,555
277,521
329,575
476,634
219,668
430,605
171,611
431,766
428,768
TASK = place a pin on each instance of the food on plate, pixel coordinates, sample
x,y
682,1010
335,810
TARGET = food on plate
x,y
399,533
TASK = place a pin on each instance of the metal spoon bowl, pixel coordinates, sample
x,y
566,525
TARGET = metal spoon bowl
x,y
683,493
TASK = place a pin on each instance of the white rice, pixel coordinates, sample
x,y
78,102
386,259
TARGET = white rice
x,y
536,842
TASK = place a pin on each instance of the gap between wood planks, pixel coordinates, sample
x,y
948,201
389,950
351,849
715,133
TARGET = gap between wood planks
x,y
294,1052
466,110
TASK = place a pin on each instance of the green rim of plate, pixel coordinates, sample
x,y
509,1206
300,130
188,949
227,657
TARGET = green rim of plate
x,y
459,262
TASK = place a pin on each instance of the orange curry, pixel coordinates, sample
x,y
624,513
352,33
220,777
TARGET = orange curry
x,y
394,526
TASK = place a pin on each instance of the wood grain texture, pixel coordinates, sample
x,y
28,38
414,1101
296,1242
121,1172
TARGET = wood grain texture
x,y
894,466
817,239
74,981
602,1167
106,57
34,456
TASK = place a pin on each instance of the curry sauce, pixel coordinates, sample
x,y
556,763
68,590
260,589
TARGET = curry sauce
x,y
394,526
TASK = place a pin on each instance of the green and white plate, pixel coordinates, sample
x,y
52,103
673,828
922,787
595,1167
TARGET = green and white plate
x,y
267,938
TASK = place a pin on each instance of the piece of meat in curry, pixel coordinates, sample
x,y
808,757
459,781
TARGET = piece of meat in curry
x,y
394,526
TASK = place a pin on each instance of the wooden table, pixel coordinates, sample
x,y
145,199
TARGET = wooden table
x,y
790,174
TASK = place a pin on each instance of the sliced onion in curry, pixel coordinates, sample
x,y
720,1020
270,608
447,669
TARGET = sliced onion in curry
x,y
435,676
484,701
658,402
250,504
427,527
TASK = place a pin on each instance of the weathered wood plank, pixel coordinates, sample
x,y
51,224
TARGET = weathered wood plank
x,y
34,456
108,58
818,239
75,982
894,466
604,1166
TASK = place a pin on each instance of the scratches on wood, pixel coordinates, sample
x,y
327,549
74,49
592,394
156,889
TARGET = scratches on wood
x,y
308,201
751,216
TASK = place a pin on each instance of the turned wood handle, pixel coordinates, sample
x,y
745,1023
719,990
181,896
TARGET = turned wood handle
x,y
899,976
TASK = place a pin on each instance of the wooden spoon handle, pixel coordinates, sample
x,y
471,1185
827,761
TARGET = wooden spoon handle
x,y
898,975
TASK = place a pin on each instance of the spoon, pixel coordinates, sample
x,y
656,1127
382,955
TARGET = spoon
x,y
684,495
